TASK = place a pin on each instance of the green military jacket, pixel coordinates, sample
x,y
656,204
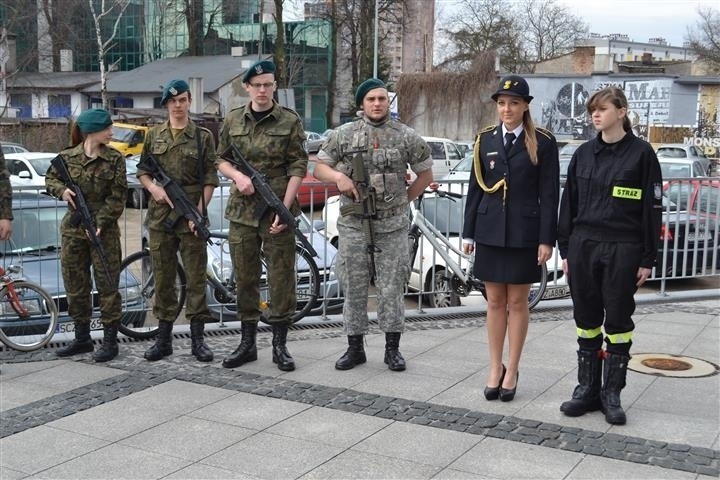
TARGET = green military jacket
x,y
5,190
178,157
273,145
102,181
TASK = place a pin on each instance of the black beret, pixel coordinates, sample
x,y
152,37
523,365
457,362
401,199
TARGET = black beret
x,y
173,89
515,86
93,120
258,68
365,87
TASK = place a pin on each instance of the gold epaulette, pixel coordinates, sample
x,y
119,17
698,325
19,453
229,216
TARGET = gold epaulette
x,y
487,129
477,162
544,131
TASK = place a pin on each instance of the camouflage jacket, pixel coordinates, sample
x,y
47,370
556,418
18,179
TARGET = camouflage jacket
x,y
178,157
388,148
102,181
5,190
274,146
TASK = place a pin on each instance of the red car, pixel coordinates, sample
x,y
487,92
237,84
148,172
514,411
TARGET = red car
x,y
312,191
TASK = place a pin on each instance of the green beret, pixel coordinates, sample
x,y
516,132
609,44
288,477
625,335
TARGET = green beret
x,y
93,120
173,89
365,87
258,68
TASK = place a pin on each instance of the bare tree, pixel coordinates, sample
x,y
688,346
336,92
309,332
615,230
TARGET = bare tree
x,y
705,37
550,30
105,45
281,73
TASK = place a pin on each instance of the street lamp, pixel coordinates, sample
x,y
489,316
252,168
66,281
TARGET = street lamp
x,y
375,52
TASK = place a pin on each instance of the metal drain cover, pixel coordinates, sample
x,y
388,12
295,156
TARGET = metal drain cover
x,y
667,365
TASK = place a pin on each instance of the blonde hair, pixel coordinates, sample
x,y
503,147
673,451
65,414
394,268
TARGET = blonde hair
x,y
531,143
613,95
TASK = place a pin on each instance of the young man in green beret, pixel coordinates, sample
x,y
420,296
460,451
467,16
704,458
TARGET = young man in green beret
x,y
386,147
186,152
271,138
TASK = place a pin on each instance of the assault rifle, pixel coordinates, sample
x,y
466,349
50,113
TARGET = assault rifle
x,y
82,213
181,203
366,207
266,196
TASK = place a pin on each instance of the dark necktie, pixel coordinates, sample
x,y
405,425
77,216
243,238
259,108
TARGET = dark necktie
x,y
509,138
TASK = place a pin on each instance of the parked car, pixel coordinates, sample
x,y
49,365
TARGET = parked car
x,y
672,168
681,151
35,246
313,141
11,147
313,192
128,138
220,263
446,214
445,155
565,155
137,195
457,179
465,146
28,169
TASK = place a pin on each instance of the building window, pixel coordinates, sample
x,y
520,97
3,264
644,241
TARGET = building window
x,y
58,106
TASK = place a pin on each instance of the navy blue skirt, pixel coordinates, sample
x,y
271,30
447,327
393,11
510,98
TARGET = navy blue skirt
x,y
506,265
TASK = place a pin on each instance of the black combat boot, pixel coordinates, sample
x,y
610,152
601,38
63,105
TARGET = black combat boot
x,y
201,351
586,396
614,371
82,343
355,354
280,354
109,348
247,350
393,357
163,343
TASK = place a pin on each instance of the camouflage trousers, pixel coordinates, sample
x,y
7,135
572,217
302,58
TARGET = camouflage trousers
x,y
279,252
77,256
164,246
392,271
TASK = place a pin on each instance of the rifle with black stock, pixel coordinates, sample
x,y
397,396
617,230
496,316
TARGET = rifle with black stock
x,y
366,207
82,213
182,205
266,196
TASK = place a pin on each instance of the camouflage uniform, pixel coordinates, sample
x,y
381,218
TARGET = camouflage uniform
x,y
178,157
391,146
274,146
5,190
103,182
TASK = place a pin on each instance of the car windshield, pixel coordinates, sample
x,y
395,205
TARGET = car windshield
x,y
675,170
41,165
707,199
34,229
671,152
122,134
465,164
445,213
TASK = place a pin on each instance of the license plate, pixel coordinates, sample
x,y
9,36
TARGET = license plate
x,y
556,292
701,236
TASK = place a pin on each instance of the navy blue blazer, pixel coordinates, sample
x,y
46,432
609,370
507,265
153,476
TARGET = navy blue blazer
x,y
528,216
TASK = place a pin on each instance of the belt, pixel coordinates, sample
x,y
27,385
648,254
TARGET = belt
x,y
390,212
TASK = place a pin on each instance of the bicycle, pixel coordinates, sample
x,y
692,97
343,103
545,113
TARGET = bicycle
x,y
137,278
28,314
457,277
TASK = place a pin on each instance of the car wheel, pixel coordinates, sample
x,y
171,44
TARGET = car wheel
x,y
137,197
439,290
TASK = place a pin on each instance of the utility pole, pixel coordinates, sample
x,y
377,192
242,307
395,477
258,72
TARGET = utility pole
x,y
375,55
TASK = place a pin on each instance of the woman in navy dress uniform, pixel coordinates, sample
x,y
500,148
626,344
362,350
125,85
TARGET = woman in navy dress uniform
x,y
511,223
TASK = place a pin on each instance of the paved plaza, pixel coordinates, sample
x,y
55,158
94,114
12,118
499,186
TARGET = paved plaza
x,y
178,418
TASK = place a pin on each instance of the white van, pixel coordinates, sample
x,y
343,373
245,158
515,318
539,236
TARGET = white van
x,y
445,155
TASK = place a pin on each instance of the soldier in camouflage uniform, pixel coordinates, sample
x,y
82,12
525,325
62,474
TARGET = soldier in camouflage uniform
x,y
6,215
271,138
388,147
186,152
99,172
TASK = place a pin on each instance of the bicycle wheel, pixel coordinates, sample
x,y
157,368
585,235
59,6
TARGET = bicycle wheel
x,y
137,291
27,319
307,286
537,290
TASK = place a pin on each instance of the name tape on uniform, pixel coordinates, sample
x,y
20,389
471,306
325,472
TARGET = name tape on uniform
x,y
628,193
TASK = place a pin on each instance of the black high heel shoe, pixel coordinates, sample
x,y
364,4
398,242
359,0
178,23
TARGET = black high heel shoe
x,y
493,393
507,394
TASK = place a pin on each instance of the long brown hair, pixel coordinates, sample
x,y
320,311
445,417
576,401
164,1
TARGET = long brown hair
x,y
76,136
614,95
531,144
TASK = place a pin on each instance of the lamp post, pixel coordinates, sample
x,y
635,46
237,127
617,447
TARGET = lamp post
x,y
375,52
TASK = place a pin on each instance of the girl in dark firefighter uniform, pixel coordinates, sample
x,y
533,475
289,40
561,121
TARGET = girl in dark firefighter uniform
x,y
511,224
608,236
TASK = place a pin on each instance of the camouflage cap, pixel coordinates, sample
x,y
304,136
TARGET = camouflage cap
x,y
173,89
258,68
93,120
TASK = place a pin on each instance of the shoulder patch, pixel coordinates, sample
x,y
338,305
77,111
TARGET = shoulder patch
x,y
545,132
